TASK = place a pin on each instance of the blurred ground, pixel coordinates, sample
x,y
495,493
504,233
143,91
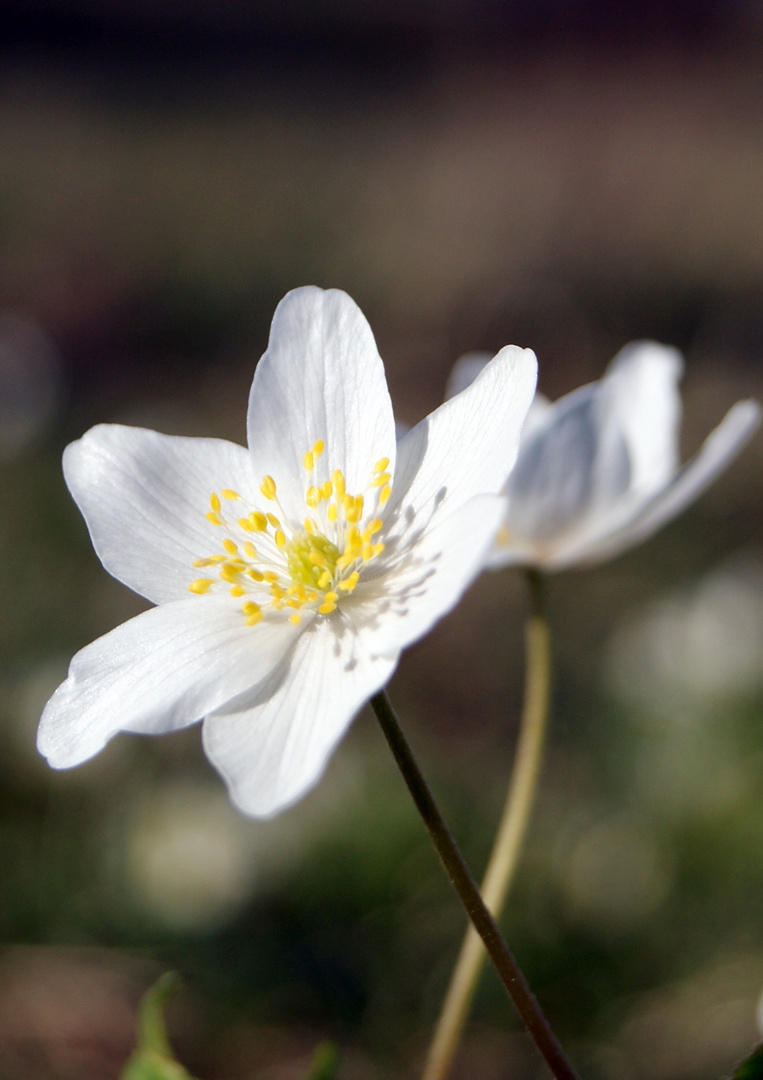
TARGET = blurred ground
x,y
563,176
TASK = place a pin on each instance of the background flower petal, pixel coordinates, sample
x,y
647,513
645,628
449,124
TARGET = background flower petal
x,y
640,388
718,450
160,671
469,444
434,570
321,378
274,747
145,497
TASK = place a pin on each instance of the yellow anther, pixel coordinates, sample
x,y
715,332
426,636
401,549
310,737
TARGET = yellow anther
x,y
384,494
337,478
381,465
310,526
344,560
201,585
313,496
296,618
324,579
327,489
229,493
349,583
377,549
270,577
268,487
236,590
230,547
216,558
255,575
375,525
277,592
317,558
250,608
327,607
380,481
229,572
212,516
250,549
274,521
351,509
280,538
252,620
308,461
259,520
332,513
318,448
367,551
352,536
214,502
201,562
246,525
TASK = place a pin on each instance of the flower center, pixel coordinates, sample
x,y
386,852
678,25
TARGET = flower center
x,y
293,568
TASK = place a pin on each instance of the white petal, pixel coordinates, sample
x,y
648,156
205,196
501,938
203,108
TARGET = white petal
x,y
571,468
428,578
145,497
158,672
275,747
465,371
321,378
718,450
640,388
468,446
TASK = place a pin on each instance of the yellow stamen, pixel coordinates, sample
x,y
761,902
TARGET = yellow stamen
x,y
349,583
259,520
230,547
250,549
381,465
384,494
324,579
310,526
337,478
246,525
318,448
268,487
214,502
229,493
201,562
280,538
236,590
229,573
201,585
327,489
380,481
313,496
274,521
211,516
332,513
255,575
252,620
296,618
308,461
250,608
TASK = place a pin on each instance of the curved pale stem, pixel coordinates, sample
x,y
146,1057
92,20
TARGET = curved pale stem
x,y
469,894
508,841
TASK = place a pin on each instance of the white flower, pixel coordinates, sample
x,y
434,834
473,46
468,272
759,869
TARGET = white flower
x,y
289,576
598,470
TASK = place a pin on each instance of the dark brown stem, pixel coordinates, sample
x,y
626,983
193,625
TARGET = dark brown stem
x,y
469,894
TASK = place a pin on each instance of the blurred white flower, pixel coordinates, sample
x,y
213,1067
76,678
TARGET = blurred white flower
x,y
312,558
191,859
696,647
598,470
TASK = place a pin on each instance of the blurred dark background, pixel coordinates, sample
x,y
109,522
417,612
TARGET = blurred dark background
x,y
562,174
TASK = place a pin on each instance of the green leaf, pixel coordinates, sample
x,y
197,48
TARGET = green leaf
x,y
325,1061
752,1067
153,1059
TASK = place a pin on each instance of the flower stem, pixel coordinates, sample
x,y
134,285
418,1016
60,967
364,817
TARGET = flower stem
x,y
469,894
508,841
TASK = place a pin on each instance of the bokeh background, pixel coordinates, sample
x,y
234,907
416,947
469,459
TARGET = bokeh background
x,y
563,174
